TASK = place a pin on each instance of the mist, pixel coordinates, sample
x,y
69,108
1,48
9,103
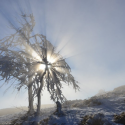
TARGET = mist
x,y
89,34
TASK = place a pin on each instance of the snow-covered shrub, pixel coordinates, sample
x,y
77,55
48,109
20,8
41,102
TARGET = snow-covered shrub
x,y
93,101
44,121
120,118
70,103
87,102
97,119
79,104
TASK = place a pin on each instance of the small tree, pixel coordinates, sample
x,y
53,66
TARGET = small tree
x,y
33,61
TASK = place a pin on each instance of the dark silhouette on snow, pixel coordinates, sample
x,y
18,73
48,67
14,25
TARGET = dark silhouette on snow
x,y
59,111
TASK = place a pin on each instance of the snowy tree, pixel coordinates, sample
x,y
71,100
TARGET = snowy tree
x,y
14,56
33,61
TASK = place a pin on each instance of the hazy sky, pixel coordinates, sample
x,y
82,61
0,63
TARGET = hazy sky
x,y
92,30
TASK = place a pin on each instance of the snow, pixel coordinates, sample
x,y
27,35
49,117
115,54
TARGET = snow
x,y
73,116
7,118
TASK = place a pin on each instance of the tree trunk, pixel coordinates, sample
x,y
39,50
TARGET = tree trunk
x,y
39,95
39,101
31,109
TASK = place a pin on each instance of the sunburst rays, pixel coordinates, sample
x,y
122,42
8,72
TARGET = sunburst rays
x,y
35,62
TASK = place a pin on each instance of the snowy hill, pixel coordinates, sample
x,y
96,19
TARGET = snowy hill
x,y
119,89
96,100
98,110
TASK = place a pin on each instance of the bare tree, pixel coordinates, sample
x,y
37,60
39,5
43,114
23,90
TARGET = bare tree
x,y
33,61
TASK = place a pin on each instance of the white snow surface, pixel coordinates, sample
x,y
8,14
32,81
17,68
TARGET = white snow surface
x,y
73,116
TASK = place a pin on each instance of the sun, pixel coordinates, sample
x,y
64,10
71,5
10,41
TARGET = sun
x,y
42,67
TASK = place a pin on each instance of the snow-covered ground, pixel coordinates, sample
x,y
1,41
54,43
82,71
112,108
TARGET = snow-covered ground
x,y
109,106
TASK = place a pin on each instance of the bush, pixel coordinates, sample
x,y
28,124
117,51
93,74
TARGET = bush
x,y
89,119
87,102
120,118
44,121
97,119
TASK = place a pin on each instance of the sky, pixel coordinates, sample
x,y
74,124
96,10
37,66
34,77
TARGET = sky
x,y
89,33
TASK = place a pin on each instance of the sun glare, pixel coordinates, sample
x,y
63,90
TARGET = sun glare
x,y
42,66
51,59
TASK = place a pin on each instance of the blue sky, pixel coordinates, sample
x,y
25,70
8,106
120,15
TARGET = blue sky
x,y
93,28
